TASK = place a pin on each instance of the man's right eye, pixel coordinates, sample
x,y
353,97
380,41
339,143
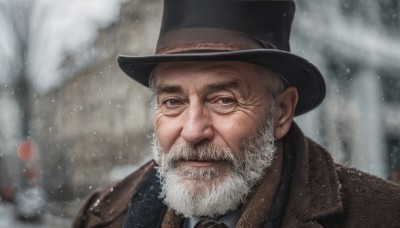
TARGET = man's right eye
x,y
172,106
171,103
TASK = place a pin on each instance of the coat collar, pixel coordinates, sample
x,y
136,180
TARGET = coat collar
x,y
111,204
315,189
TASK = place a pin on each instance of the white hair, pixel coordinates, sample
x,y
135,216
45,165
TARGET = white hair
x,y
194,192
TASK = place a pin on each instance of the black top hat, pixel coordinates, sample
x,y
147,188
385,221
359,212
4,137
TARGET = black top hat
x,y
254,31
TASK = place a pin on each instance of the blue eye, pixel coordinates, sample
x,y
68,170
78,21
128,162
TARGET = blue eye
x,y
223,105
172,102
226,100
172,106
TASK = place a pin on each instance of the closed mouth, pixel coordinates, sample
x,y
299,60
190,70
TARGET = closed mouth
x,y
200,163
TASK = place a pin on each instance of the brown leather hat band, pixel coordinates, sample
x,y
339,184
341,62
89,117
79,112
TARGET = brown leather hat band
x,y
207,39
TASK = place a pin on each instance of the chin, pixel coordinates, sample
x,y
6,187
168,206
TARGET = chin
x,y
198,192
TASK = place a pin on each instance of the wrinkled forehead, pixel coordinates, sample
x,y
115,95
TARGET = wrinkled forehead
x,y
243,71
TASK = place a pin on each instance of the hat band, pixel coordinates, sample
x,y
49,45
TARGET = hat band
x,y
207,39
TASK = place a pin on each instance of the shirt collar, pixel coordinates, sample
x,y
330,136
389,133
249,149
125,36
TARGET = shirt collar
x,y
230,219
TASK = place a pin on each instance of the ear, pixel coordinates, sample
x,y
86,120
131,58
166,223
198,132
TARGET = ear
x,y
285,106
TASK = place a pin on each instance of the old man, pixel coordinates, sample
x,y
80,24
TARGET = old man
x,y
226,150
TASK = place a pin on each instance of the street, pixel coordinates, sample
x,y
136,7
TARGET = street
x,y
8,220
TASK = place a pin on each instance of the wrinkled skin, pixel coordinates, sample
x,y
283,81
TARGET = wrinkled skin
x,y
220,103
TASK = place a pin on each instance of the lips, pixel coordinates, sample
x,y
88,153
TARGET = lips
x,y
201,163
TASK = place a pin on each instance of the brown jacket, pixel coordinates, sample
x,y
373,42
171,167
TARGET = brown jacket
x,y
322,194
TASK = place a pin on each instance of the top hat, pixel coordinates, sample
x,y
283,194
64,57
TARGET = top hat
x,y
253,31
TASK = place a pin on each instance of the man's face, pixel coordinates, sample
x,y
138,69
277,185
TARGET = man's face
x,y
208,103
207,114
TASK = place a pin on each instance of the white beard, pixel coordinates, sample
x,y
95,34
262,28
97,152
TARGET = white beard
x,y
197,192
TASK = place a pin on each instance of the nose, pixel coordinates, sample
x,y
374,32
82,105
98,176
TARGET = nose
x,y
197,125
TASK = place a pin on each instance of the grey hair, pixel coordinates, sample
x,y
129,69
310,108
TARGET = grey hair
x,y
151,79
274,82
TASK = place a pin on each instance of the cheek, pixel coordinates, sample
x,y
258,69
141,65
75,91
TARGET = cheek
x,y
234,129
167,130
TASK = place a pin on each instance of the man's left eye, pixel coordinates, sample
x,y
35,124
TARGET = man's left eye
x,y
225,100
223,105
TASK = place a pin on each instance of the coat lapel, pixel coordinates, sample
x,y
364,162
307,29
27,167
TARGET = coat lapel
x,y
109,206
146,208
315,189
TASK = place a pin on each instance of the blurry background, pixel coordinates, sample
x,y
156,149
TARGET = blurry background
x,y
71,121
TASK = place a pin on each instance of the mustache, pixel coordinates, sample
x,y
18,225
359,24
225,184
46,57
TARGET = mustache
x,y
205,152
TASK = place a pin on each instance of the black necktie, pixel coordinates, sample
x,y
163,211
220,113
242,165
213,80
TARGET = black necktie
x,y
210,223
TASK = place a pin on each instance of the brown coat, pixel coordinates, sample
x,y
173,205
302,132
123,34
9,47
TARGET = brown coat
x,y
322,194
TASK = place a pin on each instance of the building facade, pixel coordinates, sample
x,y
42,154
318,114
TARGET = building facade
x,y
355,44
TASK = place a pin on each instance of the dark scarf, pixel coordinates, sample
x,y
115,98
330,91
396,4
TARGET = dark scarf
x,y
146,209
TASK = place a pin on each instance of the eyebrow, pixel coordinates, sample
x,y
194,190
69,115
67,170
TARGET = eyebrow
x,y
234,84
210,88
161,89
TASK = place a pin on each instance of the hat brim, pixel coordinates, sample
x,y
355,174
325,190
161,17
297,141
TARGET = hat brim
x,y
295,70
